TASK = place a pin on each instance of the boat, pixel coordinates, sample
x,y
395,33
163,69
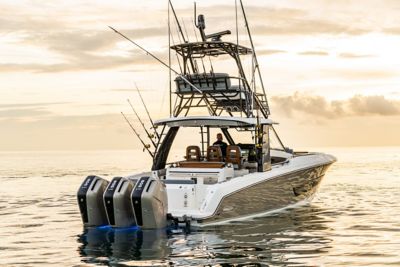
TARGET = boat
x,y
250,175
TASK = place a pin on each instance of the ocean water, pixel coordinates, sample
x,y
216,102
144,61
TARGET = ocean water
x,y
354,220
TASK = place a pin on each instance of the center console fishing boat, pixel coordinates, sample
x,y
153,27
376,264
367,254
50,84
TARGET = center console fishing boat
x,y
207,182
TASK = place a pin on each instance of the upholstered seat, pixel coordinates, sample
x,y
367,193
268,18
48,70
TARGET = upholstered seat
x,y
193,153
214,154
234,156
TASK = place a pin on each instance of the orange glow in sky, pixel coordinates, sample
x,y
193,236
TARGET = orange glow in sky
x,y
331,69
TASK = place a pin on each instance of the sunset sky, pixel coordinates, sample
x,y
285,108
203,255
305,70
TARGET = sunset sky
x,y
331,69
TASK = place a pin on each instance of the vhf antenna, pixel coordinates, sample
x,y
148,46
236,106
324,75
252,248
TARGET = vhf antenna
x,y
201,24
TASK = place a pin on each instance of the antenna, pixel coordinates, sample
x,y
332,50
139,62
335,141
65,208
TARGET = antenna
x,y
169,64
194,30
195,13
256,66
237,28
195,34
201,25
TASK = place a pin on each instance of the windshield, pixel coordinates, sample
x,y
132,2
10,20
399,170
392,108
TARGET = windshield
x,y
203,137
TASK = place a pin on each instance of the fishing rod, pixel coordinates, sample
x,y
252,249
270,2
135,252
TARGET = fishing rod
x,y
159,60
181,32
147,111
176,54
150,136
145,146
210,108
184,27
177,21
277,137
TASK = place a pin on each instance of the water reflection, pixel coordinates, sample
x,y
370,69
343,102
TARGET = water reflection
x,y
290,238
293,237
352,222
106,245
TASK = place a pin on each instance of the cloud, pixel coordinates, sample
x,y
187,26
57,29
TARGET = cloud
x,y
122,90
300,26
353,56
23,113
79,60
30,111
81,39
132,90
68,41
215,13
25,105
392,30
27,24
318,106
359,74
374,105
78,49
266,20
314,53
264,52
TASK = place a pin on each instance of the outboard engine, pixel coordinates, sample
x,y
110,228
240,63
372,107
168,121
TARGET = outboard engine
x,y
90,201
117,202
123,202
150,203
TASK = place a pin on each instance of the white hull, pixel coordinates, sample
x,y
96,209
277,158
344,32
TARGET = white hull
x,y
219,181
253,194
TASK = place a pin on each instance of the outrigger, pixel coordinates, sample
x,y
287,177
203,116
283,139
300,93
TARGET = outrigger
x,y
208,183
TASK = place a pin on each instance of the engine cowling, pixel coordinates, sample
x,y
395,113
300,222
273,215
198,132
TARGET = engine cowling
x,y
90,201
150,203
117,203
123,202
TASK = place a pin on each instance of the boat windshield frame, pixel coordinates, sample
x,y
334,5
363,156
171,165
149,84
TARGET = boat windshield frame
x,y
213,121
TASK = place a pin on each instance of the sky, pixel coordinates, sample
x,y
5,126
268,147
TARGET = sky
x,y
331,69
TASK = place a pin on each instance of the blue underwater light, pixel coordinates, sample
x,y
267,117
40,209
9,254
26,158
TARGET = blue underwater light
x,y
104,227
118,229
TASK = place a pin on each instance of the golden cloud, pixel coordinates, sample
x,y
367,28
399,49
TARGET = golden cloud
x,y
318,106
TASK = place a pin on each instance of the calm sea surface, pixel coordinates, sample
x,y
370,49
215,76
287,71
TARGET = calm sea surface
x,y
353,221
